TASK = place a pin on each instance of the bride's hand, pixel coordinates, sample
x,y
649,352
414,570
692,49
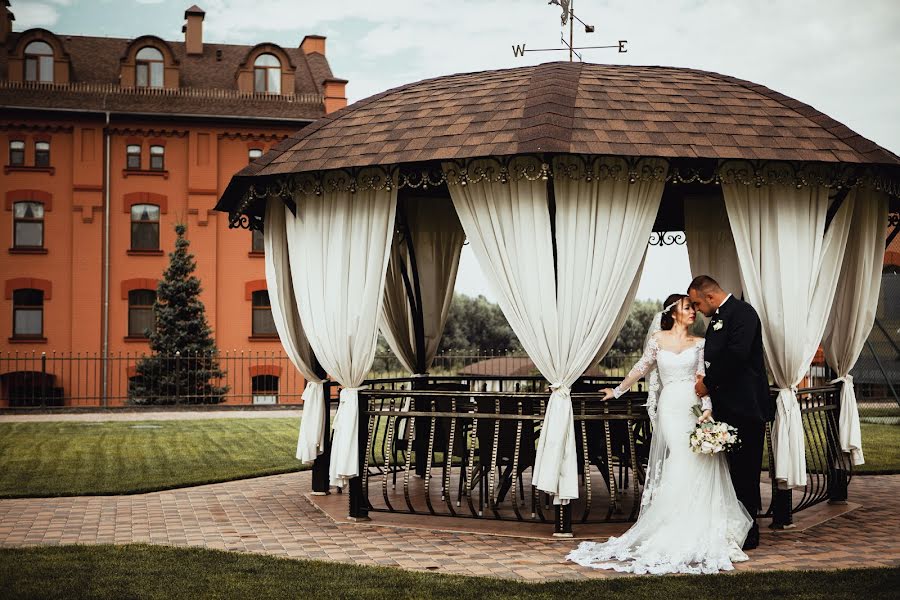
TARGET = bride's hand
x,y
706,416
608,394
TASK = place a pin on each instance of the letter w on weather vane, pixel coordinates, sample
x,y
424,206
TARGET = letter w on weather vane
x,y
568,16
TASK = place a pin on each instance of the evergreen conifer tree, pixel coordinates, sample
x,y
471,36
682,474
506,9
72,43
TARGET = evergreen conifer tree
x,y
183,364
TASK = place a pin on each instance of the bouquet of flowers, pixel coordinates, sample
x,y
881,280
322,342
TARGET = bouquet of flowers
x,y
713,437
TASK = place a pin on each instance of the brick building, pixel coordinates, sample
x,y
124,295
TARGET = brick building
x,y
109,143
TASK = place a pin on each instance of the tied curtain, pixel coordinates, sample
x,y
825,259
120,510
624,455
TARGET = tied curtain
x,y
855,303
789,267
339,244
311,438
563,312
433,229
710,244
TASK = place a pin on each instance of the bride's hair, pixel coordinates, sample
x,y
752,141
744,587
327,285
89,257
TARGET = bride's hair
x,y
667,321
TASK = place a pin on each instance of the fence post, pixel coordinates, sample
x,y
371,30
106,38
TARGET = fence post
x,y
359,503
320,476
177,376
43,379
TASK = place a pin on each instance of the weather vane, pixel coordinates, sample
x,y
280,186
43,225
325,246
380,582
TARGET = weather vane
x,y
568,16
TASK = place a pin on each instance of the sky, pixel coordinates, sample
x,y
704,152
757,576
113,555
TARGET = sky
x,y
840,56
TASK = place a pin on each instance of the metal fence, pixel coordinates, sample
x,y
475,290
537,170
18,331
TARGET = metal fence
x,y
73,379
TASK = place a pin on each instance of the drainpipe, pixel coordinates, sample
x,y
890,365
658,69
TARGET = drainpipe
x,y
104,364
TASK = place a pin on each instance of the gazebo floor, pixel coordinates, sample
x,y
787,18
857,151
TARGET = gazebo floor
x,y
502,520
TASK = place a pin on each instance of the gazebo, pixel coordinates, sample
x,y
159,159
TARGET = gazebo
x,y
557,175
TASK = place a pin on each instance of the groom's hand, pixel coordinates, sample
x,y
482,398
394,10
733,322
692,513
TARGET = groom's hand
x,y
700,387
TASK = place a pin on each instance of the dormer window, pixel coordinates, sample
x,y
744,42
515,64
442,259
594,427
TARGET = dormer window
x,y
39,62
149,67
267,74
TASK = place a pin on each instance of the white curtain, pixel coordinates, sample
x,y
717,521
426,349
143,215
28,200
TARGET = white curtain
x,y
437,239
562,318
855,302
624,311
311,438
789,268
710,244
339,245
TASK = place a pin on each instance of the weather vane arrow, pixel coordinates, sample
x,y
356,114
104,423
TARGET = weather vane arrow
x,y
569,17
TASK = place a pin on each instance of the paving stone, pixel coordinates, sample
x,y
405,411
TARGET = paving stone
x,y
271,515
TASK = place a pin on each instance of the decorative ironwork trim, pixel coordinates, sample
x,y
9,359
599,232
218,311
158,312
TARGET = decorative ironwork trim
x,y
539,166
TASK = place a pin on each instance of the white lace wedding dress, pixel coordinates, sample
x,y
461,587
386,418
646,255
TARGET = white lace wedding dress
x,y
690,519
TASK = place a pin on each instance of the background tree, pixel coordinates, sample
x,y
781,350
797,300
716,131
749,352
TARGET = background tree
x,y
477,324
183,362
631,338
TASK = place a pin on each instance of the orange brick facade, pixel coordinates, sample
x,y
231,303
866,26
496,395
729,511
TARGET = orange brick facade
x,y
78,195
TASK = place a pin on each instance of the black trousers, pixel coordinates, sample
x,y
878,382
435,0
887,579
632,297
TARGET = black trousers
x,y
746,464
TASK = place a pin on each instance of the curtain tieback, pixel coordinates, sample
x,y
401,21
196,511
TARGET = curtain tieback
x,y
347,392
848,379
562,387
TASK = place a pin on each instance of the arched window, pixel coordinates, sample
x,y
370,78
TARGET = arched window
x,y
28,313
149,67
39,62
145,227
263,323
140,312
267,74
28,225
265,389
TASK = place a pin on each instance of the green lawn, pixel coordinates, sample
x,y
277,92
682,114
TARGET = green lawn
x,y
881,448
140,571
76,458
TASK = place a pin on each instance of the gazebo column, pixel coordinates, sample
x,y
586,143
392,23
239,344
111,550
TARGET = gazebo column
x,y
563,521
320,485
359,503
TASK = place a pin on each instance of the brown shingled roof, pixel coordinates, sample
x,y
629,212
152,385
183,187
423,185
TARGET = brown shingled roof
x,y
96,61
574,108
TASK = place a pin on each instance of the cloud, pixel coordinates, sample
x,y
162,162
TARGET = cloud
x,y
34,14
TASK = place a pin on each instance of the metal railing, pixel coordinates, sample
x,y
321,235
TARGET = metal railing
x,y
180,92
451,446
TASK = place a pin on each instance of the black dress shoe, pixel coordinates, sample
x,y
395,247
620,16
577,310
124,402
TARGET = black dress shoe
x,y
750,545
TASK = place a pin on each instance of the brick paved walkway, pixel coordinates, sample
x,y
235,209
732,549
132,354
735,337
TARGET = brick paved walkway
x,y
272,515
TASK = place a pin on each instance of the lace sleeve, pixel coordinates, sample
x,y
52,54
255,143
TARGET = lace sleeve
x,y
641,368
705,401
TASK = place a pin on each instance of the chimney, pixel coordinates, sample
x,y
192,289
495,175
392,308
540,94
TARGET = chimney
x,y
6,25
334,91
313,44
193,30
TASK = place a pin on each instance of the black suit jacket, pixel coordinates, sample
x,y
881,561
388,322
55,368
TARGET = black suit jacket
x,y
735,366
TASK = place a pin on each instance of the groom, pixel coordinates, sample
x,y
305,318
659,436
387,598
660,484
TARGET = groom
x,y
736,381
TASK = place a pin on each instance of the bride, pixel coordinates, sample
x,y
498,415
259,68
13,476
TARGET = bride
x,y
690,519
